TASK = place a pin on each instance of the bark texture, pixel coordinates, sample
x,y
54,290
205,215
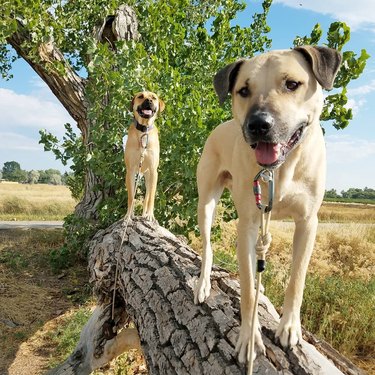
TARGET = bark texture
x,y
156,276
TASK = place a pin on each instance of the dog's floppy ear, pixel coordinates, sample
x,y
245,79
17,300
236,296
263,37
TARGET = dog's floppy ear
x,y
325,63
225,79
161,105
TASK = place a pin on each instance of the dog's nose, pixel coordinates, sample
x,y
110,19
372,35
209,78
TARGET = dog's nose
x,y
259,124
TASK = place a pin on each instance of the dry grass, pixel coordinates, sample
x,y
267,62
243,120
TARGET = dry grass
x,y
34,202
347,212
345,250
341,249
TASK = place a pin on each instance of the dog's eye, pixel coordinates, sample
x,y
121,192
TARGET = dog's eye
x,y
244,92
141,96
292,85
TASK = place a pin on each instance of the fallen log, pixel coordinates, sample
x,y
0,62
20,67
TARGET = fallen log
x,y
156,275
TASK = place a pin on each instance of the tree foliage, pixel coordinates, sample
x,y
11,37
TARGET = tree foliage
x,y
335,108
355,193
12,172
183,44
351,193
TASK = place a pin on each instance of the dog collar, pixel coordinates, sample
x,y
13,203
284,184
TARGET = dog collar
x,y
143,128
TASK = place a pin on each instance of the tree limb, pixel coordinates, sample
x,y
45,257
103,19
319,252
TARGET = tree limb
x,y
69,88
157,274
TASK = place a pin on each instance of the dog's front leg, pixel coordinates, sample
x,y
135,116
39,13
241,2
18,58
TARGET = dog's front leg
x,y
289,329
130,187
247,234
205,218
151,180
210,188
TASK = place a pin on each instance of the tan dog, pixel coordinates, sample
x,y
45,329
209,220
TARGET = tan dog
x,y
276,103
143,140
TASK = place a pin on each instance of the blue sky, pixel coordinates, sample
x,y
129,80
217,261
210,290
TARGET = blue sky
x,y
27,105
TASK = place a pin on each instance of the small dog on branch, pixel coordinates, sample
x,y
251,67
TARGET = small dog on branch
x,y
141,150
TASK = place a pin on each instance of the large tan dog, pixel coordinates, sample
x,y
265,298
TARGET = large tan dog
x,y
143,140
276,103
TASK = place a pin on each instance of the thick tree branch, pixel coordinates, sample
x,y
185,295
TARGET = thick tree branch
x,y
69,88
157,273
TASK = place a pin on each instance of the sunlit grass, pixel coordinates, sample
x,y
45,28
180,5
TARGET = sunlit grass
x,y
66,335
347,212
34,202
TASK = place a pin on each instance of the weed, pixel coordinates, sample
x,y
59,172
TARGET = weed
x,y
337,309
13,260
226,259
66,336
342,311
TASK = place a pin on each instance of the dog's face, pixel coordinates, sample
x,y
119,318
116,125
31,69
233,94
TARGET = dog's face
x,y
145,106
277,96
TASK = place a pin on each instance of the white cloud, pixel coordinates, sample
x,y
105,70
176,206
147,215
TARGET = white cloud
x,y
27,151
348,162
355,104
359,14
362,90
22,116
356,96
342,149
14,141
30,111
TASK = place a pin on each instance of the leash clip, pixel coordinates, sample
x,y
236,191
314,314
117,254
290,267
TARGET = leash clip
x,y
144,141
266,175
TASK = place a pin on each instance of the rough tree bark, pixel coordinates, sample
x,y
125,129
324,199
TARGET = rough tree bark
x,y
69,88
157,273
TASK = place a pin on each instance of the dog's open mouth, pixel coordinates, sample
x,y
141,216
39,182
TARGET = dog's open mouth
x,y
271,155
145,112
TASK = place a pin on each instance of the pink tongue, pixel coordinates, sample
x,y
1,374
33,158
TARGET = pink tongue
x,y
267,153
147,112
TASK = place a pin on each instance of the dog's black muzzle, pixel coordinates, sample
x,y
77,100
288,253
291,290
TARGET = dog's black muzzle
x,y
258,126
147,109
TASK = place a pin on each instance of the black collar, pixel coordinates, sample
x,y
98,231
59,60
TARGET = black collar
x,y
142,128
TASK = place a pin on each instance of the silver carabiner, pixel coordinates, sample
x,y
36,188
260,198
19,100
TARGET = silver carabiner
x,y
266,175
144,141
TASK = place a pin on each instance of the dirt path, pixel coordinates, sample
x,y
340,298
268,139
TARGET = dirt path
x,y
31,224
33,298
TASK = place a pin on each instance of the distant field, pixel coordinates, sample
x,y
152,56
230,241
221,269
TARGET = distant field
x,y
350,200
34,202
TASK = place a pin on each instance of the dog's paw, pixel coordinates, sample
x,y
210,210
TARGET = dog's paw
x,y
243,343
202,289
149,217
127,219
289,331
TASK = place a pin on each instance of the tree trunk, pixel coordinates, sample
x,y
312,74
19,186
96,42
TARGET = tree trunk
x,y
156,277
69,88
